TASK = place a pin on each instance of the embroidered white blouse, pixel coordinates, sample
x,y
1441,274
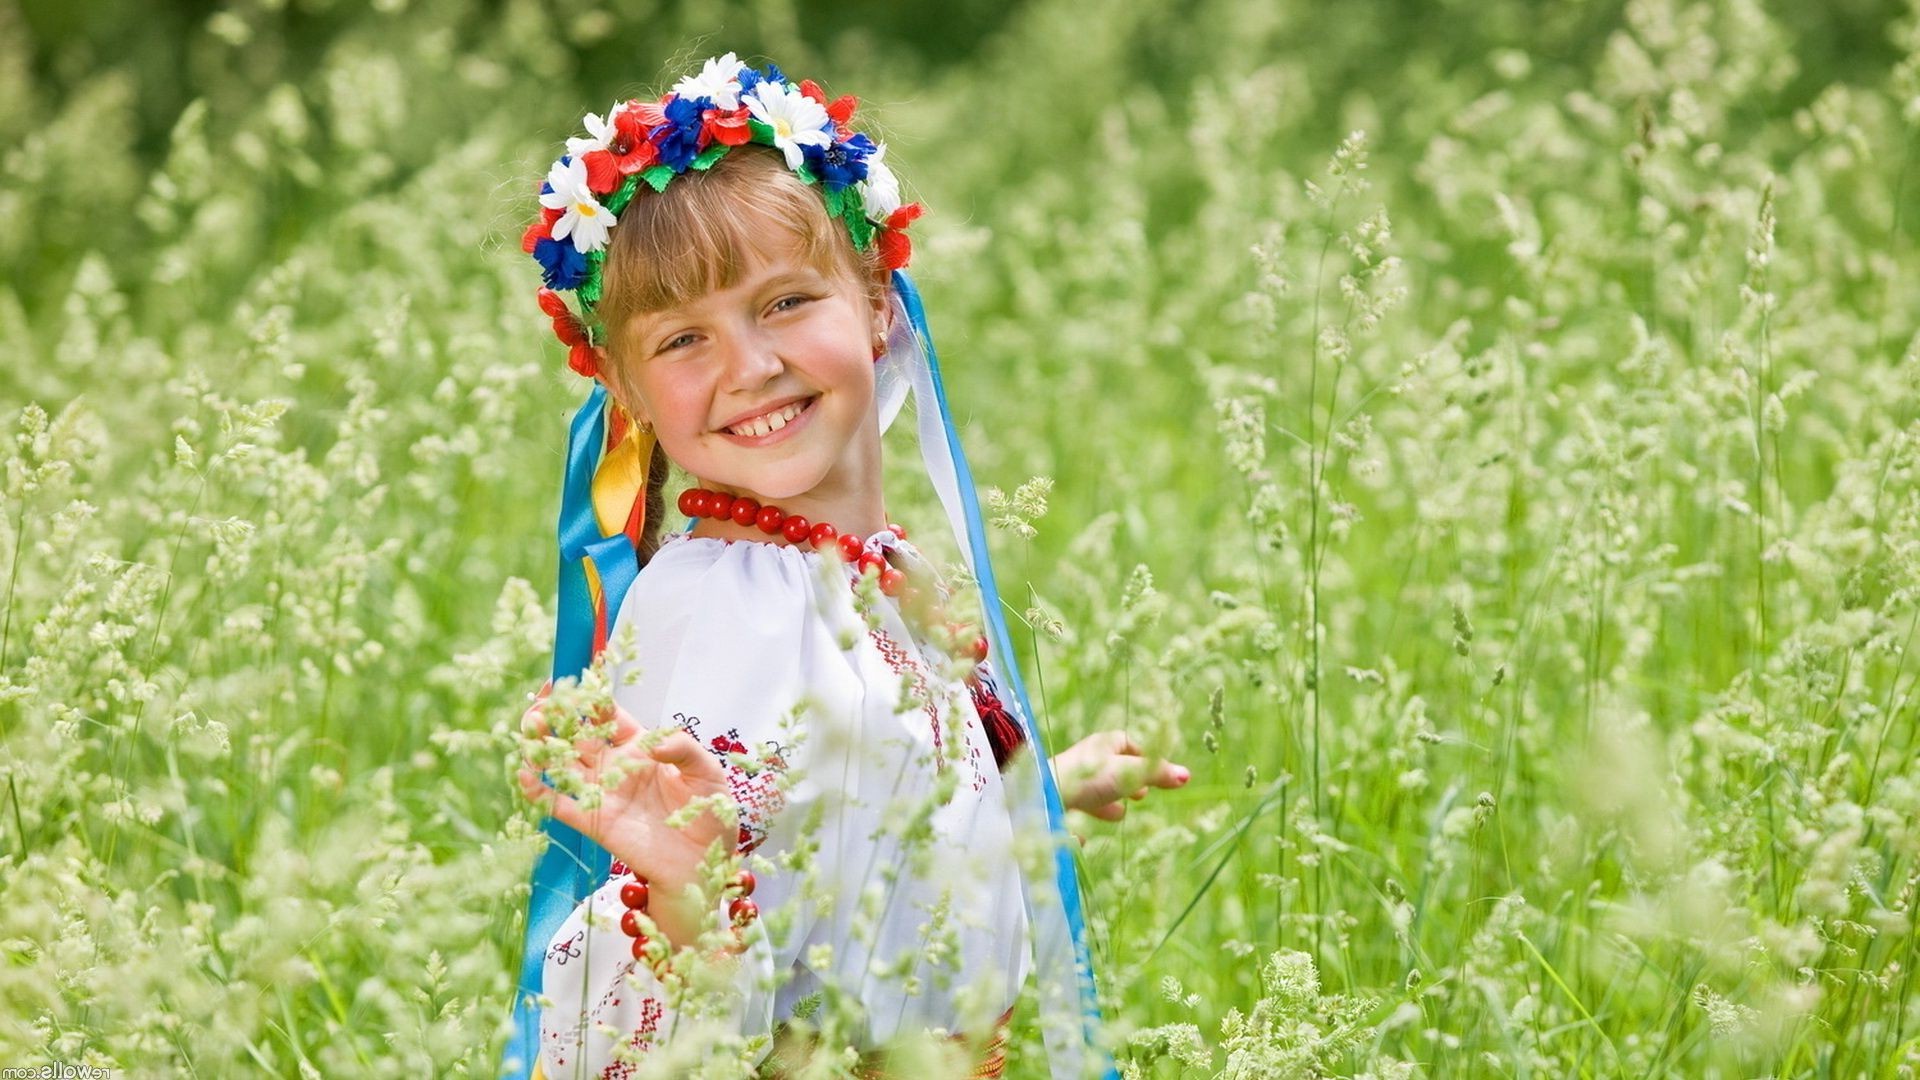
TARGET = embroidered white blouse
x,y
732,636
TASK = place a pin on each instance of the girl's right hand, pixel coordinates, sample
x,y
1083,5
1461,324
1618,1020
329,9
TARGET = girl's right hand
x,y
631,820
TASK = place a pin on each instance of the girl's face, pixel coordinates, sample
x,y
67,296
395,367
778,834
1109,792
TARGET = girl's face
x,y
787,345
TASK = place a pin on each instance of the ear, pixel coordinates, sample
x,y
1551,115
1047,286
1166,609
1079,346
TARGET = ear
x,y
616,388
881,302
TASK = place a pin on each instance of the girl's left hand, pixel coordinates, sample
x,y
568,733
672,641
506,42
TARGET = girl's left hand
x,y
1100,772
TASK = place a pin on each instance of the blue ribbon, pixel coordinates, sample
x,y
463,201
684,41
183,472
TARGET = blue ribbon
x,y
1065,878
572,865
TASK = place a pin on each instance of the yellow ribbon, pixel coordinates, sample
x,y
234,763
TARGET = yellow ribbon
x,y
621,479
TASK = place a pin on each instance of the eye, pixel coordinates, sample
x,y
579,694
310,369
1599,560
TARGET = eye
x,y
795,300
674,342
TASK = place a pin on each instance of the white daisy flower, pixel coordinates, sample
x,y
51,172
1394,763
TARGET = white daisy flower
x,y
880,191
796,119
719,80
583,218
600,132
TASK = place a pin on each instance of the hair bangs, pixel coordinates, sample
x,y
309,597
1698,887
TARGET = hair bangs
x,y
674,246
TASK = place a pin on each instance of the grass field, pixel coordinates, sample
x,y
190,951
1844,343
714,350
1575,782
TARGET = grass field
x,y
1482,440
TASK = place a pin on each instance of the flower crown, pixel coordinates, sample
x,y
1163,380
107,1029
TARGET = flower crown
x,y
727,104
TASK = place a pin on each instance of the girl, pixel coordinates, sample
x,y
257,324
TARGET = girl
x,y
804,725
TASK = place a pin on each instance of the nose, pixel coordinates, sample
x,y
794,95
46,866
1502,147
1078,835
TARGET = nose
x,y
752,360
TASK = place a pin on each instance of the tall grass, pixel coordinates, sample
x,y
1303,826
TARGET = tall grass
x,y
1482,443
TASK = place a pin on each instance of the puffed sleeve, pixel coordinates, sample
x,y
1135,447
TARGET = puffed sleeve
x,y
736,644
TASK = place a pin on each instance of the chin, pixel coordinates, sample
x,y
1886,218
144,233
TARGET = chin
x,y
774,485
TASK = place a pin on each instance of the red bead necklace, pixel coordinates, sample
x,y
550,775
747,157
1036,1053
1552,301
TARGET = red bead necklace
x,y
700,502
634,894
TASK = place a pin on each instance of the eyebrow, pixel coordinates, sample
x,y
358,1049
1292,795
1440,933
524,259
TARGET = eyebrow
x,y
650,321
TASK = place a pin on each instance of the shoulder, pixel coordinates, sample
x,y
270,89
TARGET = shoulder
x,y
699,573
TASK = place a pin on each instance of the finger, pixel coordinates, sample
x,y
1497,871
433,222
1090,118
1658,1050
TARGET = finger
x,y
1112,811
625,727
532,724
1119,742
1108,784
684,752
617,728
528,720
536,789
1137,794
1121,776
1169,775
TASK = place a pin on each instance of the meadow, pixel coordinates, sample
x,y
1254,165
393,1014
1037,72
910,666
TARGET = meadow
x,y
1480,439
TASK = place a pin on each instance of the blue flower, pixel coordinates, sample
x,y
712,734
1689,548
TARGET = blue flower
x,y
840,163
749,78
679,138
561,264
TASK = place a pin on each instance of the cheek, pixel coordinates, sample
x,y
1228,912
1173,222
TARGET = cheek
x,y
679,407
850,368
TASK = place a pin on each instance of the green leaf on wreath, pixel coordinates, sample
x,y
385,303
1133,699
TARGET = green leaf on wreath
x,y
623,194
858,226
589,289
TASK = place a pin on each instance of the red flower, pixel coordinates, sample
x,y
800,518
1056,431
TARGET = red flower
x,y
643,116
631,150
727,127
841,112
535,233
569,330
551,303
580,359
895,248
539,230
603,175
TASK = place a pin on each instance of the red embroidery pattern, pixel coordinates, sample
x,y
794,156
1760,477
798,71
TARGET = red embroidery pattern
x,y
757,792
648,1026
905,663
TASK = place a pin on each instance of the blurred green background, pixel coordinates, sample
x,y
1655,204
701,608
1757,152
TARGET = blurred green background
x,y
1509,512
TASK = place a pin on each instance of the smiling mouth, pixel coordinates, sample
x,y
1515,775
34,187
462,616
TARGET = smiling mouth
x,y
765,428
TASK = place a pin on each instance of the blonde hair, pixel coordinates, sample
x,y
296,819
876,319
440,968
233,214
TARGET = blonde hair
x,y
674,246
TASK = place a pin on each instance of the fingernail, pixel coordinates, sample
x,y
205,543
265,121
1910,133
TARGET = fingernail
x,y
1183,775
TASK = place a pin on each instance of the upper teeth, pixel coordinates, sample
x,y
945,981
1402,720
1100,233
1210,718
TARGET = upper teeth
x,y
769,422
